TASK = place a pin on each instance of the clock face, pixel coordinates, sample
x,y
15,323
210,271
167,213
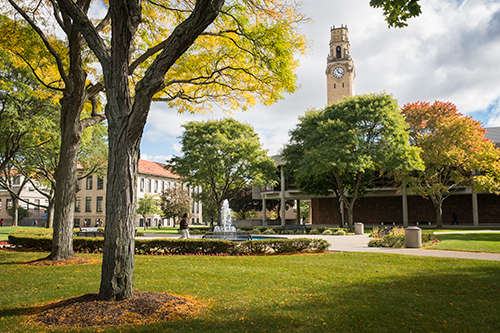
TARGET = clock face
x,y
338,72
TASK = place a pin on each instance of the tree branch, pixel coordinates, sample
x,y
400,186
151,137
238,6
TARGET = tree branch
x,y
87,29
45,41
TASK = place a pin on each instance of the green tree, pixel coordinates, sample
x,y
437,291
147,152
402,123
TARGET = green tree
x,y
454,150
175,201
224,157
20,214
149,205
347,145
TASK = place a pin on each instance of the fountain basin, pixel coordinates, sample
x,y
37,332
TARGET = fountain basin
x,y
237,236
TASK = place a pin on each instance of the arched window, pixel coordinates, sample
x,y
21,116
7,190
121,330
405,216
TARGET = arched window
x,y
334,85
339,52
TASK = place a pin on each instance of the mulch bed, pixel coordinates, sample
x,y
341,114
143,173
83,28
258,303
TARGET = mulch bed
x,y
88,311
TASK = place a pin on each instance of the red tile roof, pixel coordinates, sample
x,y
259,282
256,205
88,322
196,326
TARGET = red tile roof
x,y
155,169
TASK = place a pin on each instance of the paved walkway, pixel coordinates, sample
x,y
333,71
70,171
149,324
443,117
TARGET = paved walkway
x,y
359,243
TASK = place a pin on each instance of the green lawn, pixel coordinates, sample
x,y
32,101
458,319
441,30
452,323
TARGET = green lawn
x,y
487,242
345,292
5,231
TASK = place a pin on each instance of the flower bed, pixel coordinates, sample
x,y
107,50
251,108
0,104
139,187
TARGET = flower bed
x,y
183,246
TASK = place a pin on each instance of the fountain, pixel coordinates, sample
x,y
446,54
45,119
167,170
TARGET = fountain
x,y
226,230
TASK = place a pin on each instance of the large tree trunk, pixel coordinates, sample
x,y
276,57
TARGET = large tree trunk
x,y
350,215
66,178
121,203
71,131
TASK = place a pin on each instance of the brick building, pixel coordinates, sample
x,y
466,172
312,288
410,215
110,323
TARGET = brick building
x,y
153,178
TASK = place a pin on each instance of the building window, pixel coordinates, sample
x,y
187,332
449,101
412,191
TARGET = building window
x,y
197,207
76,223
100,183
31,188
77,205
88,183
334,85
37,204
156,186
148,185
98,207
141,184
16,180
162,186
88,204
86,223
0,204
342,84
338,50
8,203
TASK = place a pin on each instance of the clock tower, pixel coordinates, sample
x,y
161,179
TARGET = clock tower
x,y
340,67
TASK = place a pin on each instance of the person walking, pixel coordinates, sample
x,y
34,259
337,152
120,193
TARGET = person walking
x,y
184,226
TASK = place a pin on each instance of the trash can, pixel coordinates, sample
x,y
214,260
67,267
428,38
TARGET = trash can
x,y
413,237
359,228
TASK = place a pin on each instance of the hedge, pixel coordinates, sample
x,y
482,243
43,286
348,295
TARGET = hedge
x,y
302,230
183,246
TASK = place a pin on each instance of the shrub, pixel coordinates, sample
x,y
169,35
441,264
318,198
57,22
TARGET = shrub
x,y
340,232
327,232
269,231
183,246
395,238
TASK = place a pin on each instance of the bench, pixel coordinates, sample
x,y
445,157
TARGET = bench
x,y
90,232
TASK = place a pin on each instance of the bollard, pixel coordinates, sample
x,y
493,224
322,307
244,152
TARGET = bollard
x,y
359,228
413,237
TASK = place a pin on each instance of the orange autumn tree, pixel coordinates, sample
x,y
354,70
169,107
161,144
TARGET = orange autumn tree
x,y
454,150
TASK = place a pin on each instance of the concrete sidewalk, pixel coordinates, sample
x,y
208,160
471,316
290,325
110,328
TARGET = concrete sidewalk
x,y
359,243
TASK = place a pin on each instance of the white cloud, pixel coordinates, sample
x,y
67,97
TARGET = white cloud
x,y
449,53
156,158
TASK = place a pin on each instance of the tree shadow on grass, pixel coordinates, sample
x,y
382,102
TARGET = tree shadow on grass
x,y
428,302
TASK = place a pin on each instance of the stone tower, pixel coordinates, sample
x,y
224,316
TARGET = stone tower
x,y
340,67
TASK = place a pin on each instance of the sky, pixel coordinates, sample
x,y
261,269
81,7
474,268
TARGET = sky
x,y
451,52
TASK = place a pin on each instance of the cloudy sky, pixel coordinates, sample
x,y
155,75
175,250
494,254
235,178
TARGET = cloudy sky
x,y
451,53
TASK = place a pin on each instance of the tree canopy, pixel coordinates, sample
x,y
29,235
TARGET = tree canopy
x,y
342,148
224,157
455,152
175,201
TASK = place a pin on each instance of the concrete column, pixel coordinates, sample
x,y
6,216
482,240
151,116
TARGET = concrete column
x,y
298,211
264,218
475,210
404,198
282,196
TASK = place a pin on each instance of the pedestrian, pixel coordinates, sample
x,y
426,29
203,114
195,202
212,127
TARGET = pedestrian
x,y
184,226
1,222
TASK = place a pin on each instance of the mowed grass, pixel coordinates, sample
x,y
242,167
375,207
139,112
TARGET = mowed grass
x,y
5,231
486,242
344,292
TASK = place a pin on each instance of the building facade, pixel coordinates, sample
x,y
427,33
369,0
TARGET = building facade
x,y
32,199
153,178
